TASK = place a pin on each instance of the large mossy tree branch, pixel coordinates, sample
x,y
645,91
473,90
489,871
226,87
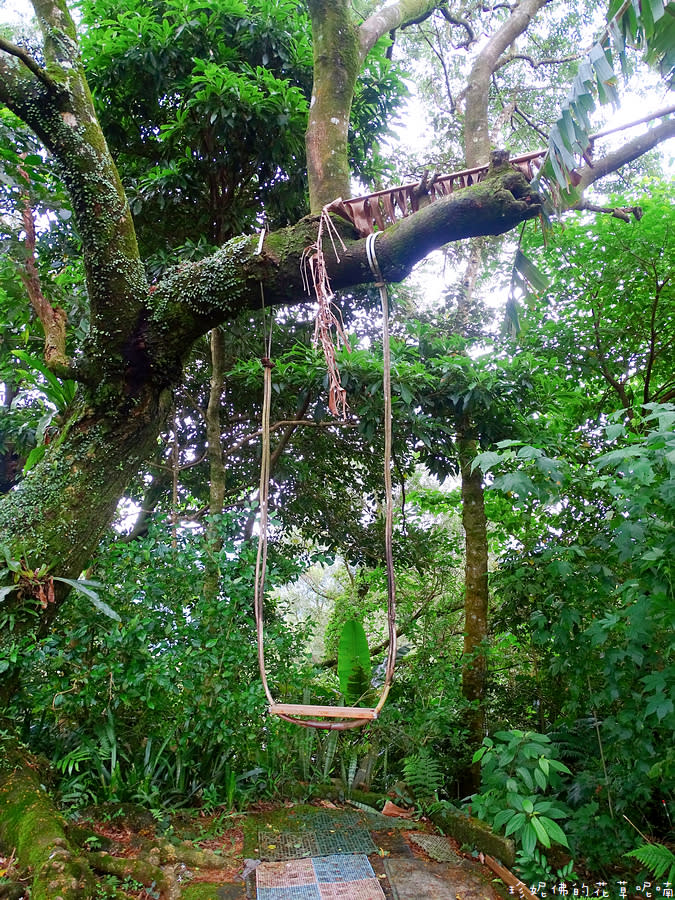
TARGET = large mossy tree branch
x,y
197,296
60,110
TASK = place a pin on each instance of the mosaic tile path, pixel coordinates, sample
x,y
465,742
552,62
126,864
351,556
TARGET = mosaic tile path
x,y
336,877
436,846
282,845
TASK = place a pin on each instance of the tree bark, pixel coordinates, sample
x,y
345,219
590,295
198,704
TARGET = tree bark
x,y
340,49
214,542
474,664
336,66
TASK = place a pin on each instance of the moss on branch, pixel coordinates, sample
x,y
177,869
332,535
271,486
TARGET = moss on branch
x,y
197,296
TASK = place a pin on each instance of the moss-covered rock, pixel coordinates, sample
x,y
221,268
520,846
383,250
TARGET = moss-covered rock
x,y
476,834
205,891
32,827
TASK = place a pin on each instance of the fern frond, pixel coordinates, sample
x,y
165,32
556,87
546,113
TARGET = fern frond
x,y
423,775
657,858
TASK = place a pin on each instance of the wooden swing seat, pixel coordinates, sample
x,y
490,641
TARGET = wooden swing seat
x,y
330,712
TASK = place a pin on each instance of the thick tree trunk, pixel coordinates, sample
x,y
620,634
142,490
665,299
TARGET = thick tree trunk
x,y
335,41
52,522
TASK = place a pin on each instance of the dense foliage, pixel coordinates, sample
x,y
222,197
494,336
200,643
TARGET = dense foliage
x,y
145,688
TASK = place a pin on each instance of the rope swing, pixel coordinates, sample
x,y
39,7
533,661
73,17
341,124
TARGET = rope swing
x,y
307,715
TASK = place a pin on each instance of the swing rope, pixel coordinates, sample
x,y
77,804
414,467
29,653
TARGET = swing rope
x,y
351,717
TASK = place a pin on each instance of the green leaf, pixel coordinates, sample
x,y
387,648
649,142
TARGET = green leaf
x,y
515,824
561,151
353,661
601,64
528,839
541,831
614,431
528,452
515,482
406,394
554,830
479,754
657,9
530,272
503,816
84,587
34,457
527,778
59,392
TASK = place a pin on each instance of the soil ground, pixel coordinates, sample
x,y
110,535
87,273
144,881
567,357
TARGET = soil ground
x,y
403,869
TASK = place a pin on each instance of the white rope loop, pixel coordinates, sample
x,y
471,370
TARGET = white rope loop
x,y
389,504
263,502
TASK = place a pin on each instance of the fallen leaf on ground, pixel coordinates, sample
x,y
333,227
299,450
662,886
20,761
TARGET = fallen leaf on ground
x,y
391,809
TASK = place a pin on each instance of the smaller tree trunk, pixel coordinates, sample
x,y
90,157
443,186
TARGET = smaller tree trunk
x,y
337,62
475,603
216,465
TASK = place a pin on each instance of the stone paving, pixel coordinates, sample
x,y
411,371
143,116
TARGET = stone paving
x,y
388,859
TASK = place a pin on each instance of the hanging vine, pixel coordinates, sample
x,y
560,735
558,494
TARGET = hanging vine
x,y
329,331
